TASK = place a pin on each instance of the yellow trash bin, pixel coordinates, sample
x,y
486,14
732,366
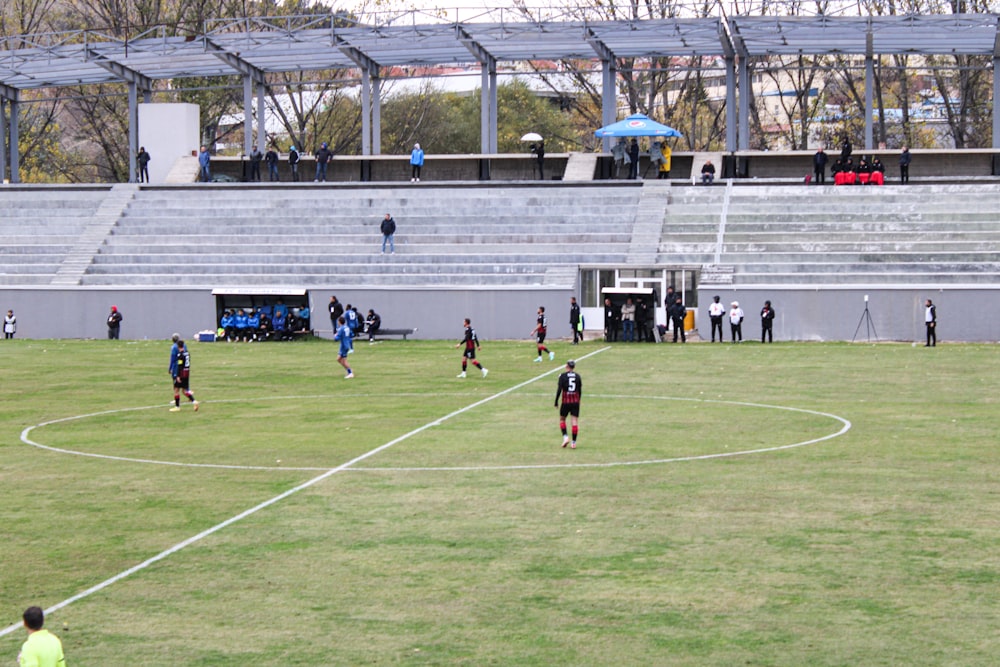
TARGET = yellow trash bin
x,y
689,320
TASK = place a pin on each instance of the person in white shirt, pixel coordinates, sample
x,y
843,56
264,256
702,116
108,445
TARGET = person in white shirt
x,y
9,324
930,320
716,311
736,321
628,321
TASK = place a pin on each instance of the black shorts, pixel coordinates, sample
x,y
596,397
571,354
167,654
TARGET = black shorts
x,y
470,354
569,409
181,381
541,337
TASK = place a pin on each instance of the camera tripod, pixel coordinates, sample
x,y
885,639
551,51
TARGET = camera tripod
x,y
866,319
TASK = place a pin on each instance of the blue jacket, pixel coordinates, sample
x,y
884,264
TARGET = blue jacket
x,y
417,157
240,321
204,158
253,321
226,321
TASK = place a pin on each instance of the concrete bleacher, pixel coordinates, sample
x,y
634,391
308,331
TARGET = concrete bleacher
x,y
39,226
475,235
794,235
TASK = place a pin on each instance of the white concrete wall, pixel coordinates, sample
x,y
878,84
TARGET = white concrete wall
x,y
168,131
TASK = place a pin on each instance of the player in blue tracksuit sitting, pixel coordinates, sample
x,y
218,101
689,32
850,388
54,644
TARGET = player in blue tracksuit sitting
x,y
240,324
227,326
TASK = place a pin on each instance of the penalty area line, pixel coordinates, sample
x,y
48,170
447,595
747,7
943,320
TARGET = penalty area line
x,y
281,496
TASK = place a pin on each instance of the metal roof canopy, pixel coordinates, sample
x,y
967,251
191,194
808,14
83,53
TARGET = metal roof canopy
x,y
253,47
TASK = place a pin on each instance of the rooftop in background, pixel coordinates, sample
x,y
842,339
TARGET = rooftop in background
x,y
257,46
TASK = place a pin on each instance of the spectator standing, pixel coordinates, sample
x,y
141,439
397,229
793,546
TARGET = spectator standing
x,y
708,173
205,163
667,156
182,377
619,155
323,156
574,319
766,322
930,322
642,320
373,322
904,165
677,314
612,320
471,342
343,335
628,321
9,325
846,149
388,228
736,321
336,310
571,388
416,163
539,151
819,166
255,158
42,648
293,162
114,323
541,328
633,156
271,158
142,160
716,311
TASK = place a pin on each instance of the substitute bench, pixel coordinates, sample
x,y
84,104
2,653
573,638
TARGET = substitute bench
x,y
394,332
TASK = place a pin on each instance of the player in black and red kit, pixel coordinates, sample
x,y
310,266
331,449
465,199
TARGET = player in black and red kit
x,y
182,376
542,326
571,388
471,342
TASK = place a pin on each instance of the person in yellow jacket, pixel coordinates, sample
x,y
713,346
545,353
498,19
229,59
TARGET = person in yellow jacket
x,y
664,171
42,649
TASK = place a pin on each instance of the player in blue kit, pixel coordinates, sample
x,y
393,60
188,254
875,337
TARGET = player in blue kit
x,y
343,335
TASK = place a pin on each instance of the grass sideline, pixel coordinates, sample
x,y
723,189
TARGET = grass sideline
x,y
878,547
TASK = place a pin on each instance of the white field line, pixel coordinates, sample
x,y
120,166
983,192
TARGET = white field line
x,y
267,503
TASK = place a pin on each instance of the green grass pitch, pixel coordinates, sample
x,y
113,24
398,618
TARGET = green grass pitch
x,y
713,514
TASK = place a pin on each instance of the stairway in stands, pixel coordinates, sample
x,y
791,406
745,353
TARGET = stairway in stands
x,y
468,236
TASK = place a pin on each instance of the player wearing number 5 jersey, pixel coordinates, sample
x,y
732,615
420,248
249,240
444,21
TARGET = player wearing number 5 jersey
x,y
471,343
571,389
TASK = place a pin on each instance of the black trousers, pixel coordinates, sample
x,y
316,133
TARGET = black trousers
x,y
716,324
931,334
736,331
766,331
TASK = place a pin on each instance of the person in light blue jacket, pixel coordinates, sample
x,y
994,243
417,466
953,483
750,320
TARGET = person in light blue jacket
x,y
416,163
204,162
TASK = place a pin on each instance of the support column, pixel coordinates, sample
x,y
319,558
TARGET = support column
x,y
376,114
133,129
366,112
609,99
247,114
744,119
3,139
869,104
261,119
996,97
731,104
15,152
494,116
484,110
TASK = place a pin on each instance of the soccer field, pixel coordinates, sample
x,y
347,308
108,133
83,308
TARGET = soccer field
x,y
789,504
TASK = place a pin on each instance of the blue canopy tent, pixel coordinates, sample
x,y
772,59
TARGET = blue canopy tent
x,y
637,125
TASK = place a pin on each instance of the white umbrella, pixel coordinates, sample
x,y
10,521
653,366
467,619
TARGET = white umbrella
x,y
532,136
